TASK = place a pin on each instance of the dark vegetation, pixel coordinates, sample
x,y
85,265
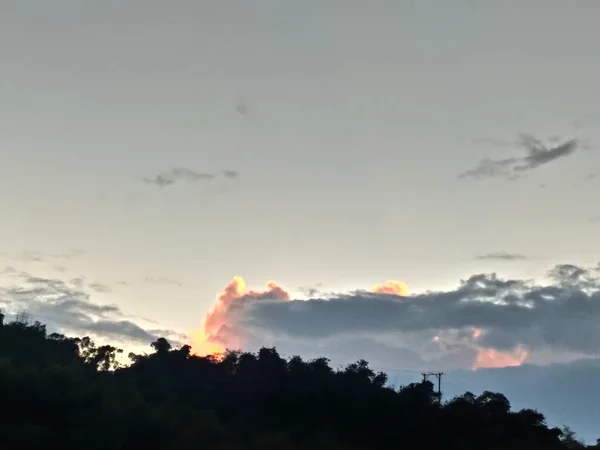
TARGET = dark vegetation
x,y
66,393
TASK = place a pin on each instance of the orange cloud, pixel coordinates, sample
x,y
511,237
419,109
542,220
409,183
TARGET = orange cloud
x,y
393,287
489,358
218,330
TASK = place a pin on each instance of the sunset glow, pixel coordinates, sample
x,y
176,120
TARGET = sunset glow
x,y
219,329
489,358
393,287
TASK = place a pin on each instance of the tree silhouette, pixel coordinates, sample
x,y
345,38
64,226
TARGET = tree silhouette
x,y
69,393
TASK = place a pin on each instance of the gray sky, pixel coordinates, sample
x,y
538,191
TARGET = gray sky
x,y
155,149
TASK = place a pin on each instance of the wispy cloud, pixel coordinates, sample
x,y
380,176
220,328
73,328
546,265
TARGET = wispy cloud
x,y
99,287
66,306
180,174
538,154
38,256
501,256
162,281
591,176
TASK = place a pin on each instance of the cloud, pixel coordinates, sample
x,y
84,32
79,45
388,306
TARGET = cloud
x,y
231,174
242,108
67,307
311,291
162,281
486,321
391,287
538,154
37,256
501,256
219,327
176,175
100,287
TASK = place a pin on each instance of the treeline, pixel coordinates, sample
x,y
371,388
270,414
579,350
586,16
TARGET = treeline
x,y
68,393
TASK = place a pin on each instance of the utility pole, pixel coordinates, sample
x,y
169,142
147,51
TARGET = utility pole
x,y
438,375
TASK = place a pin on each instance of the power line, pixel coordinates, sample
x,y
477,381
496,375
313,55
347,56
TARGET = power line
x,y
437,375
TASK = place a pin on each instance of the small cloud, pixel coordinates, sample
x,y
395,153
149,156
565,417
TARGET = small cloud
x,y
231,174
501,256
586,179
30,256
538,154
78,282
100,287
242,109
75,253
162,281
311,291
183,174
159,180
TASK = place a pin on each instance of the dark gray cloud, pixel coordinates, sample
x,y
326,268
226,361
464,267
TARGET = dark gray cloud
x,y
502,256
65,306
537,154
179,174
558,317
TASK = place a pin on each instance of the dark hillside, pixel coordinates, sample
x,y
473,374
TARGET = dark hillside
x,y
66,393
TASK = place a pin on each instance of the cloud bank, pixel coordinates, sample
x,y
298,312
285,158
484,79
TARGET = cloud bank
x,y
486,321
66,306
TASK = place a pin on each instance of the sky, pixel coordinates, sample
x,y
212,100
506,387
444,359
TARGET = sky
x,y
151,151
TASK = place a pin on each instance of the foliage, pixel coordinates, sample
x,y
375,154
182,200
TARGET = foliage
x,y
67,393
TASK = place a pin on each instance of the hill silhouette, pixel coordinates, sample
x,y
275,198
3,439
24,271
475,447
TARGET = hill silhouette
x,y
68,393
